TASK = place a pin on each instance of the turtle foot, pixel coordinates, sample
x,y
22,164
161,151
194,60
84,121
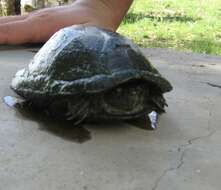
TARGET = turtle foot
x,y
14,102
153,117
148,122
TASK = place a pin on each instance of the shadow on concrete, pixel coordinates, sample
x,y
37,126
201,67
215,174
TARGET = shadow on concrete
x,y
79,134
29,46
65,129
60,128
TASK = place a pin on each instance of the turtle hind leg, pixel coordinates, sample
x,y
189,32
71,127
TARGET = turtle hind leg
x,y
77,112
77,120
67,109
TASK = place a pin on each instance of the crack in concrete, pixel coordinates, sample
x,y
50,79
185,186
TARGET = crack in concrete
x,y
179,149
179,165
157,182
214,85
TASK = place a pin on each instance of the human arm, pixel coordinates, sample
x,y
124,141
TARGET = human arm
x,y
40,25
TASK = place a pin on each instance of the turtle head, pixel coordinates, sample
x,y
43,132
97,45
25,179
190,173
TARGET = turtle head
x,y
125,100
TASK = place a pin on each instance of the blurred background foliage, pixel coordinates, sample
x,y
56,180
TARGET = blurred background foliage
x,y
190,25
11,7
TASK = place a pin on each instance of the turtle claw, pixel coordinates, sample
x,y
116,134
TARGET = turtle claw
x,y
148,122
153,117
14,102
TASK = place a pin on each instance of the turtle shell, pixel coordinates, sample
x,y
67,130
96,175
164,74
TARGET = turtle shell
x,y
85,60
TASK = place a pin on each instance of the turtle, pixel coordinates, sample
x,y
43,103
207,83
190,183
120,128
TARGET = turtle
x,y
87,73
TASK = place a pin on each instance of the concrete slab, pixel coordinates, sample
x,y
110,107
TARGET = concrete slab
x,y
184,153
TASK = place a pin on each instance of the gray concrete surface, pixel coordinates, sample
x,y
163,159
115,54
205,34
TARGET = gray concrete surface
x,y
183,153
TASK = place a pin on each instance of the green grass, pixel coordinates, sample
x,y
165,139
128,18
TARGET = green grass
x,y
190,25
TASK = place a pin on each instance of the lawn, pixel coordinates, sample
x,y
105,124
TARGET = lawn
x,y
189,25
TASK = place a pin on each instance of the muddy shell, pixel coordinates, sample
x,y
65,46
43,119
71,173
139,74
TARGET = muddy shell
x,y
88,73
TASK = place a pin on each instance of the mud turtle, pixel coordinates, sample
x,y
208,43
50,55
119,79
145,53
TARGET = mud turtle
x,y
88,73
